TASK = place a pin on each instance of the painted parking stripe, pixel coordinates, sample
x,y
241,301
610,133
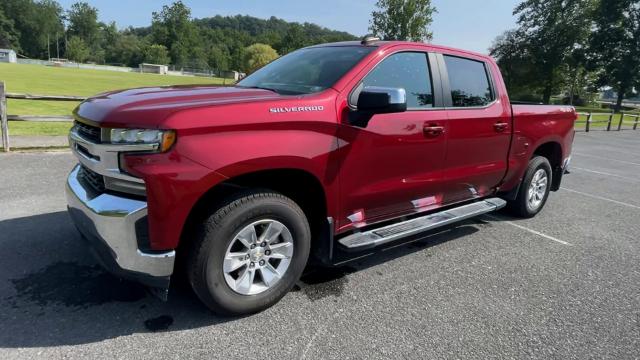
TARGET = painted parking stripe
x,y
604,158
535,232
601,198
605,174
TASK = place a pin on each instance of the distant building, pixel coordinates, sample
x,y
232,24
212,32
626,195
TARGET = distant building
x,y
8,56
154,69
235,75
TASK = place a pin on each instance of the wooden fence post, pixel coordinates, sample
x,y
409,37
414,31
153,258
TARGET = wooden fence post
x,y
610,121
621,119
588,122
635,124
3,118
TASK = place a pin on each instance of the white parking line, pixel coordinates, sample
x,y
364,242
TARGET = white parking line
x,y
602,198
502,220
604,158
605,174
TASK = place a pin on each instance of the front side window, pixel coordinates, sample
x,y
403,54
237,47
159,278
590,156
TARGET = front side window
x,y
469,82
307,70
408,70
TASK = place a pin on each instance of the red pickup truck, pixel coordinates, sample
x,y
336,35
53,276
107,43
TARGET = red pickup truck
x,y
326,154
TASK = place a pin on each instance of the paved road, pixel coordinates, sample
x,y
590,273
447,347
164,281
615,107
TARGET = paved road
x,y
564,285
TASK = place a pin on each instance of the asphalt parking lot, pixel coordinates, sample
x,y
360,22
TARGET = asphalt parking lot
x,y
564,285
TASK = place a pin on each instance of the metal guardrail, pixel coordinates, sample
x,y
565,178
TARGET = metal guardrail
x,y
621,120
5,118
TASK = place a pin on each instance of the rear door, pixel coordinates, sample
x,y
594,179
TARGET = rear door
x,y
479,128
392,167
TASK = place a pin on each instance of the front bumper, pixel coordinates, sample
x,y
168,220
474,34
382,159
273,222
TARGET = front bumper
x,y
108,223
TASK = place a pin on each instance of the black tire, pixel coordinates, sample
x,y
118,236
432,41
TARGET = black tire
x,y
520,206
215,235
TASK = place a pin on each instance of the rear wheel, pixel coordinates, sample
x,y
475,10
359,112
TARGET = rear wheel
x,y
534,190
249,252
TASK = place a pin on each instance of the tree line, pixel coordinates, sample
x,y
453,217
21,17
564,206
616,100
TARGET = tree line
x,y
572,46
576,47
43,29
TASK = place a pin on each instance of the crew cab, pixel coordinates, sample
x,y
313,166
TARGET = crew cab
x,y
324,155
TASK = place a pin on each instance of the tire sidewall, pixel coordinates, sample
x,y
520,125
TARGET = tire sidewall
x,y
220,238
535,164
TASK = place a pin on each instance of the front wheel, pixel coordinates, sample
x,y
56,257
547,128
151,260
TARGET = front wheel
x,y
534,190
249,252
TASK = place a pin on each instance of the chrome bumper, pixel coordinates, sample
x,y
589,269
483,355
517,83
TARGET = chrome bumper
x,y
110,221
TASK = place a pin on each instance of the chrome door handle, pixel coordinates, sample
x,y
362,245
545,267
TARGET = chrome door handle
x,y
500,126
433,130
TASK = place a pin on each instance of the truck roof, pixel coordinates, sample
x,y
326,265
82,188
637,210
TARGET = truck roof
x,y
386,44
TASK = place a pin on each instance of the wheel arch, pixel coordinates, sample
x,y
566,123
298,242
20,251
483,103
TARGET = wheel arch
x,y
300,185
552,151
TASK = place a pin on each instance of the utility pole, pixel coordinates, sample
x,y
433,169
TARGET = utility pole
x,y
57,46
48,48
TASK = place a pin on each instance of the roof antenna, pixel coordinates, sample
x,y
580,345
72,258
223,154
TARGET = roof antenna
x,y
369,39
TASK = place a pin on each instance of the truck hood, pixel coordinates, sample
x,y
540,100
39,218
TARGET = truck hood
x,y
149,107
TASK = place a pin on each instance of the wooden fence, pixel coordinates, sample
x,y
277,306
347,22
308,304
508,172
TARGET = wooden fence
x,y
621,119
5,118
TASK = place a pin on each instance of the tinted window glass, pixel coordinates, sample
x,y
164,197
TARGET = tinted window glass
x,y
469,82
307,70
409,71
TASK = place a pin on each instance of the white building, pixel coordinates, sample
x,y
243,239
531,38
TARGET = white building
x,y
8,56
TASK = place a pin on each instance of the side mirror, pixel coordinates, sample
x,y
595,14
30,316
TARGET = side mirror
x,y
382,100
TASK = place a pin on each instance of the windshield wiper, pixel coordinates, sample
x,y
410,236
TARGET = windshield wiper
x,y
261,88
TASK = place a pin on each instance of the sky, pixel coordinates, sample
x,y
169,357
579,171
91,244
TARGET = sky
x,y
466,24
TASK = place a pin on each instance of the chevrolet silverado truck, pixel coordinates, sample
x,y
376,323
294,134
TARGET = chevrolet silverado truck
x,y
327,154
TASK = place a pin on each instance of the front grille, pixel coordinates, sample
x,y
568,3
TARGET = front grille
x,y
91,178
91,133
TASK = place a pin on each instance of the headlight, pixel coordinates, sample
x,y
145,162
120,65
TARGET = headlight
x,y
164,138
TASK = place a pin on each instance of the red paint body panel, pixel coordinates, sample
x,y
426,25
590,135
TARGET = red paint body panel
x,y
386,170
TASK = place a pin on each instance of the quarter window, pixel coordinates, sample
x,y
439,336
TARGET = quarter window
x,y
408,70
469,82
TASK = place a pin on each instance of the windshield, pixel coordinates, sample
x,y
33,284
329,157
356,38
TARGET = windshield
x,y
307,71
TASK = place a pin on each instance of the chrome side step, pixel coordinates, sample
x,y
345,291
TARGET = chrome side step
x,y
383,235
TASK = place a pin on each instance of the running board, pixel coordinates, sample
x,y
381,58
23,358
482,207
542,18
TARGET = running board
x,y
383,235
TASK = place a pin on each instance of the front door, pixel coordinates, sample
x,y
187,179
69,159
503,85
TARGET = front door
x,y
393,166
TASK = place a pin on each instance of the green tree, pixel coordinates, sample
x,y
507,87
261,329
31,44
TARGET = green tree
x,y
517,69
173,28
157,54
219,58
403,20
77,50
127,50
615,46
36,24
8,34
549,33
83,22
257,56
295,38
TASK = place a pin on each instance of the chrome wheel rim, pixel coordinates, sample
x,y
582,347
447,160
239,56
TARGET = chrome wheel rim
x,y
537,189
258,257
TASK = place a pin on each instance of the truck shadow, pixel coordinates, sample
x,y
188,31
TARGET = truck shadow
x,y
52,293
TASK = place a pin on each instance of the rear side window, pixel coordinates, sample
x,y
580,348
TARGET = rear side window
x,y
469,82
410,71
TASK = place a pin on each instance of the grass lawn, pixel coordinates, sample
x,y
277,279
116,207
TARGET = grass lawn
x,y
38,128
600,121
46,80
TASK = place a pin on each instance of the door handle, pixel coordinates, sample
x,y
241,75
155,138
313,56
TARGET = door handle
x,y
433,130
500,126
